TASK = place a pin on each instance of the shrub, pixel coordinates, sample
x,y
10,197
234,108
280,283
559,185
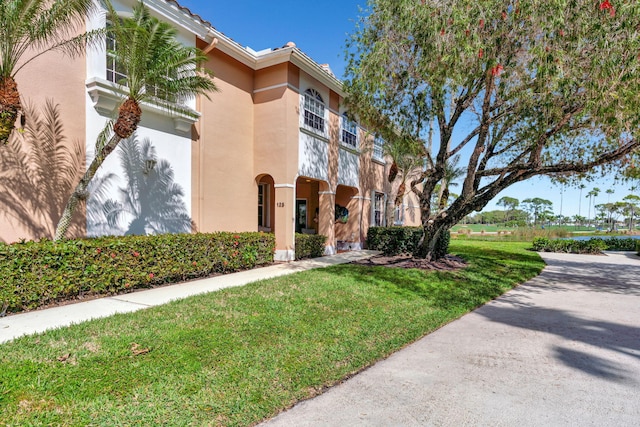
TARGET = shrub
x,y
394,240
38,273
310,245
621,244
591,246
442,247
403,240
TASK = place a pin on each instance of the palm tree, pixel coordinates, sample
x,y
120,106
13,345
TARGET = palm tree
x,y
406,155
28,29
451,173
592,195
151,198
581,187
147,52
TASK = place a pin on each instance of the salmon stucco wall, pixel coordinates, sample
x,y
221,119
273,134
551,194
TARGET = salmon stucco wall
x,y
63,84
225,191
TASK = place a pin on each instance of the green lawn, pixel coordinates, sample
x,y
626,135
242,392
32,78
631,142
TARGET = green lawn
x,y
242,355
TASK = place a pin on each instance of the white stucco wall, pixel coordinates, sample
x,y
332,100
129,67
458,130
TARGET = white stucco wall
x,y
313,160
170,144
348,167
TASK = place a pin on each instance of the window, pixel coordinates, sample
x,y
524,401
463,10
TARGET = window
x,y
349,135
378,209
398,215
378,152
115,73
263,205
314,110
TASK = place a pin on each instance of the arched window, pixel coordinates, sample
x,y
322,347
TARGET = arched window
x,y
349,135
314,110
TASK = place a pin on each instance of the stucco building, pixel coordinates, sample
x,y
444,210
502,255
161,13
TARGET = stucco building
x,y
271,151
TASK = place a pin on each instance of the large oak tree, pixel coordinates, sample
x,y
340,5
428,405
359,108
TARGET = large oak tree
x,y
519,88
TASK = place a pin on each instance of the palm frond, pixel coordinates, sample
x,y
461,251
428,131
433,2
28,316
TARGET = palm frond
x,y
28,28
151,57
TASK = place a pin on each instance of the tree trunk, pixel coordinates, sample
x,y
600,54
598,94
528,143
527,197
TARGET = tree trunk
x,y
129,115
9,107
435,241
80,192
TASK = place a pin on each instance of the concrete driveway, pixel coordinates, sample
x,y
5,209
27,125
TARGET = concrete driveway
x,y
561,350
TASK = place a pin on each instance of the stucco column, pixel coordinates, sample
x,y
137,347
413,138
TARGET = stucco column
x,y
326,220
284,217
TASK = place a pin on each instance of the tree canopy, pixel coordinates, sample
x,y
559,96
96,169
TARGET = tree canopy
x,y
520,88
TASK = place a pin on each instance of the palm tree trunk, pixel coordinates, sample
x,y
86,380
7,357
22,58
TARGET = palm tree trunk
x,y
80,192
9,107
129,115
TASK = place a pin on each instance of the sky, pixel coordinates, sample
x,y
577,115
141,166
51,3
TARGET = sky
x,y
320,29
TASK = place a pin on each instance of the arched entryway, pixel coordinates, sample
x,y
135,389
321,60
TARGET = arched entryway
x,y
265,203
315,210
348,227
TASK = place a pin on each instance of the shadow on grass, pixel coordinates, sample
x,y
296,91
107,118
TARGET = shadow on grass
x,y
489,274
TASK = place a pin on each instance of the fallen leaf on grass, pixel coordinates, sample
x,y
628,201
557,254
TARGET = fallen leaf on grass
x,y
64,358
136,350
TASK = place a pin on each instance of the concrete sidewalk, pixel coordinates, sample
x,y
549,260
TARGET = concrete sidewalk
x,y
561,350
41,320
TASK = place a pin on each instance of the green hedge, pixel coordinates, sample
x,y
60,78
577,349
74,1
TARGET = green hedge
x,y
620,243
310,245
38,273
394,240
403,240
592,246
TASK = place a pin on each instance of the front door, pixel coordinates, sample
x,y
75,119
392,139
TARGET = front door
x,y
301,215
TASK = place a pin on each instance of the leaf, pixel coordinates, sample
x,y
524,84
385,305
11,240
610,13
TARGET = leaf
x,y
137,350
64,358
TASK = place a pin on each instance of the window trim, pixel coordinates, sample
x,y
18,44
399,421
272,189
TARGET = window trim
x,y
111,60
266,211
348,128
378,149
398,214
314,119
107,96
374,208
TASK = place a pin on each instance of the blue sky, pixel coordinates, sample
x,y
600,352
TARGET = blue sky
x,y
320,29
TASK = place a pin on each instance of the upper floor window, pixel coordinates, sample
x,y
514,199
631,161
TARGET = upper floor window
x,y
115,72
314,110
378,152
349,135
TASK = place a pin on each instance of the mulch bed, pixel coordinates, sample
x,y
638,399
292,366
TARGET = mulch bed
x,y
448,263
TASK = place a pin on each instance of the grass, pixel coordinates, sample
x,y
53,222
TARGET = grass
x,y
242,355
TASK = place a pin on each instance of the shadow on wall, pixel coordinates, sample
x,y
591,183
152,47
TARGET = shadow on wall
x,y
38,169
149,203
